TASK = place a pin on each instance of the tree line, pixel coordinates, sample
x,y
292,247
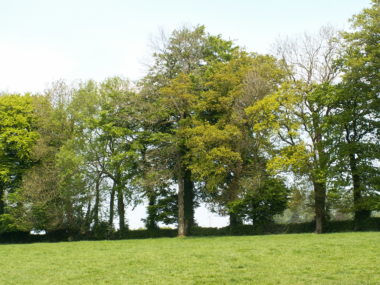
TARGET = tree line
x,y
248,134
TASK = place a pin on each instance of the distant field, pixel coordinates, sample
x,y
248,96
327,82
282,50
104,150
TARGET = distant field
x,y
345,258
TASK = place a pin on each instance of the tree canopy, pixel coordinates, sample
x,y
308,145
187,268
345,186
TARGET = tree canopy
x,y
247,134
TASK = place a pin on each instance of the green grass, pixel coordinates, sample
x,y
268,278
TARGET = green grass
x,y
346,258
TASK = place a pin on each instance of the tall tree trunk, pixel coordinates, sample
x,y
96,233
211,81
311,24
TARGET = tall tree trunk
x,y
185,203
112,204
182,226
2,204
121,209
97,201
188,200
360,214
320,206
319,179
88,219
232,194
185,194
235,221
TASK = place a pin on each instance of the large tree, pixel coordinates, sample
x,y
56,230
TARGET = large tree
x,y
357,111
296,116
103,151
43,204
172,87
224,152
18,135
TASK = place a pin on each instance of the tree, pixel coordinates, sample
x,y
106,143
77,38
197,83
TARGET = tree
x,y
45,206
171,86
117,129
357,116
18,135
260,204
104,149
224,152
86,154
296,116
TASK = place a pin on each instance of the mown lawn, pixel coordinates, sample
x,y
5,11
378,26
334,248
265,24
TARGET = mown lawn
x,y
345,258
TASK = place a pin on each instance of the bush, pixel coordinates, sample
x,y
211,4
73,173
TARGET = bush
x,y
58,235
102,231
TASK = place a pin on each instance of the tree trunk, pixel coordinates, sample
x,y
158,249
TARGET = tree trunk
x,y
97,201
234,222
188,200
2,204
112,202
182,226
185,203
319,179
320,206
360,214
233,190
88,218
121,209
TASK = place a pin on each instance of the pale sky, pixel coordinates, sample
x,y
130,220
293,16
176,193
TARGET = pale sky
x,y
45,40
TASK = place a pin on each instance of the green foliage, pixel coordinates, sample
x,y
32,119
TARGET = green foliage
x,y
223,150
7,223
356,119
44,205
211,158
17,135
176,87
299,208
165,208
103,151
260,205
295,118
224,125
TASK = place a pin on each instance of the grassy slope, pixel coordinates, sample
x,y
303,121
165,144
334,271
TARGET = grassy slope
x,y
347,258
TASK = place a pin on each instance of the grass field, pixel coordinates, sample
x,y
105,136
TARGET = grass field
x,y
345,258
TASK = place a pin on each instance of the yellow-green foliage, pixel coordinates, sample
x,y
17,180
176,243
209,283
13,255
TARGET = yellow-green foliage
x,y
177,95
279,115
17,134
293,157
263,114
211,152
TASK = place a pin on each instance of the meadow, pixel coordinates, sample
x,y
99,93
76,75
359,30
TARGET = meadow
x,y
343,258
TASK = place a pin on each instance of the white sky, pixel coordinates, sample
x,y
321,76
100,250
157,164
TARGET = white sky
x,y
46,40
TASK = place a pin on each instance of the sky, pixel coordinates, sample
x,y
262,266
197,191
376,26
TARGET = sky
x,y
42,41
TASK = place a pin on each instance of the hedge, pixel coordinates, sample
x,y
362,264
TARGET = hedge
x,y
372,224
